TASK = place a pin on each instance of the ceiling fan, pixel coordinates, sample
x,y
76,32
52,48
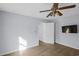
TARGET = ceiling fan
x,y
55,10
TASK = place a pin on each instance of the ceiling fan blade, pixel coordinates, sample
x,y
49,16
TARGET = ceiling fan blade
x,y
50,14
44,11
59,13
67,7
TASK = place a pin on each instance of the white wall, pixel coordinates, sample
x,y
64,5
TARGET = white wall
x,y
13,27
68,39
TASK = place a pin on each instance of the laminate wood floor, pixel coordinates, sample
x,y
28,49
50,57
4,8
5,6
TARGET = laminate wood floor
x,y
47,50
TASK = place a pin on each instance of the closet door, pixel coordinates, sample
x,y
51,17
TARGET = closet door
x,y
47,32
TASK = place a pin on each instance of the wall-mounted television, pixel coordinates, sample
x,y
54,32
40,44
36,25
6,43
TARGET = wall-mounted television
x,y
69,29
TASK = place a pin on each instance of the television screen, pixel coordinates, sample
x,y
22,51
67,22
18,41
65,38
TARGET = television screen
x,y
69,29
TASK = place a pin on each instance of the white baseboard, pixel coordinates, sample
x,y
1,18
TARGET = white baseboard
x,y
7,52
47,42
34,45
68,45
17,50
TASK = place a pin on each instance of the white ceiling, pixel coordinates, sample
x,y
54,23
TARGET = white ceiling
x,y
32,9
